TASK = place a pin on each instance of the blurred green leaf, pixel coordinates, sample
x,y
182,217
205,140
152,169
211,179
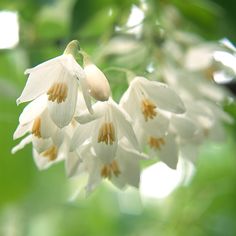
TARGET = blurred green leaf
x,y
84,11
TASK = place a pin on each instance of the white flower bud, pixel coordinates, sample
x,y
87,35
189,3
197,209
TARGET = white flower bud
x,y
97,82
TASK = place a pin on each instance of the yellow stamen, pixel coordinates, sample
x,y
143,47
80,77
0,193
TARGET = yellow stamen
x,y
156,143
110,169
50,153
58,92
106,133
148,109
36,127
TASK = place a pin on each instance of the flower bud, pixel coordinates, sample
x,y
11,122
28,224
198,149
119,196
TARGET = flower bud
x,y
97,82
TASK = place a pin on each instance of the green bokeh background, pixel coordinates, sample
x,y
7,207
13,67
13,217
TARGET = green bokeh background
x,y
34,203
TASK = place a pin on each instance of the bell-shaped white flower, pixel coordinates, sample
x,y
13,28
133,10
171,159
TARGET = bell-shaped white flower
x,y
146,102
56,150
58,78
97,82
35,119
123,170
46,151
193,85
207,121
158,144
104,129
150,104
200,57
144,96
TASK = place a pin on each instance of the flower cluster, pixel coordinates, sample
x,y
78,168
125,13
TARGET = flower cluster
x,y
72,117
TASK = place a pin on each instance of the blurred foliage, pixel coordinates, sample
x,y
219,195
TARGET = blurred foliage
x,y
35,203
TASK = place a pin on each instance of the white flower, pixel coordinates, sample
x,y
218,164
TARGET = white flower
x,y
46,151
164,147
150,104
123,170
56,151
193,86
183,129
35,119
207,119
144,99
200,57
58,78
104,129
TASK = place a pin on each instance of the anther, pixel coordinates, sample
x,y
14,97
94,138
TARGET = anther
x,y
148,109
156,143
110,169
50,153
58,92
106,133
36,127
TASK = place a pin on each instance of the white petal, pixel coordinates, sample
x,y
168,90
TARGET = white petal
x,y
164,97
99,108
47,127
40,144
218,112
212,91
71,163
129,167
22,144
85,91
62,113
183,126
129,101
141,134
22,130
169,152
73,67
63,150
47,64
105,152
94,179
81,106
33,109
123,123
120,181
59,136
82,133
189,151
200,57
133,153
79,72
43,162
156,126
40,80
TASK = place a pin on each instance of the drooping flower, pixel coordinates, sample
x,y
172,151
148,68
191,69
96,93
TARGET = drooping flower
x,y
144,99
206,120
35,119
104,129
46,151
193,85
58,78
122,171
150,104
